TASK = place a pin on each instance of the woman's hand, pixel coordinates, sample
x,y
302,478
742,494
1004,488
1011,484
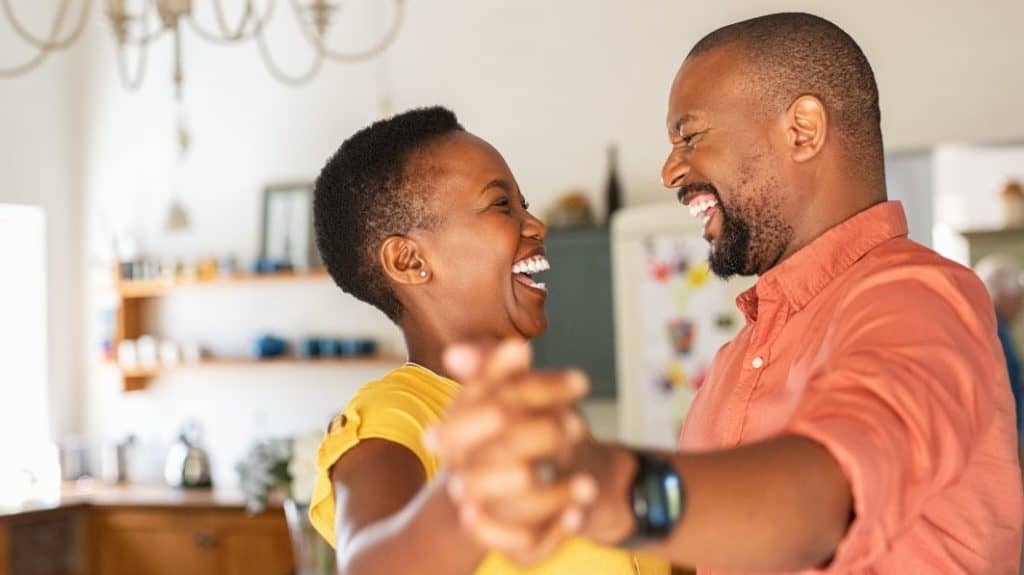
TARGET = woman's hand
x,y
512,442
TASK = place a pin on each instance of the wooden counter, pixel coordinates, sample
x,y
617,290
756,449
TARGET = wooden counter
x,y
97,529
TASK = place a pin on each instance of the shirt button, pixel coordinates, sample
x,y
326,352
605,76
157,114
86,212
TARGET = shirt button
x,y
758,363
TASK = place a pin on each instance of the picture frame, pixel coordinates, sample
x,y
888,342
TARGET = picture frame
x,y
287,235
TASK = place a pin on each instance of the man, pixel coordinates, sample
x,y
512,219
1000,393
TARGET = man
x,y
1002,277
861,421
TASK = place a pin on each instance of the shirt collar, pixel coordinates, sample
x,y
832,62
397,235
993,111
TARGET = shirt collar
x,y
804,274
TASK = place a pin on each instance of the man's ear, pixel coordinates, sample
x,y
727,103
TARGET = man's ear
x,y
806,123
403,261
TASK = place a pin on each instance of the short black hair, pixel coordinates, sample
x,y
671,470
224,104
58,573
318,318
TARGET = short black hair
x,y
365,194
793,54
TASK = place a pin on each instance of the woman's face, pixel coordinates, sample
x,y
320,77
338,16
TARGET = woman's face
x,y
487,248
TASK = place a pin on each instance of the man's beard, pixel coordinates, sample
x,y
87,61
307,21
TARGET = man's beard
x,y
754,233
730,253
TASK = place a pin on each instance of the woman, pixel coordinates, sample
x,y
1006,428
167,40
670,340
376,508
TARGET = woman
x,y
425,221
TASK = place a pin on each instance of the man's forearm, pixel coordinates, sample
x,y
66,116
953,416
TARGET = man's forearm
x,y
780,505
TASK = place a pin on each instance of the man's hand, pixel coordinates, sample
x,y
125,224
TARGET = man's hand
x,y
513,443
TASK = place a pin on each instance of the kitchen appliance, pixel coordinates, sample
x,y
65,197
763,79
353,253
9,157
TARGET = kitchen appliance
x,y
671,317
188,464
114,460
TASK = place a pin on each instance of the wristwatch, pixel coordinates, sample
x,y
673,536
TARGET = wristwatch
x,y
657,497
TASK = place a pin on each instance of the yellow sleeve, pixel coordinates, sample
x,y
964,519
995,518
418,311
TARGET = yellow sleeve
x,y
391,414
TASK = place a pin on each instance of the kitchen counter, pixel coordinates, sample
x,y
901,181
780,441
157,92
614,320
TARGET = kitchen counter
x,y
96,528
97,494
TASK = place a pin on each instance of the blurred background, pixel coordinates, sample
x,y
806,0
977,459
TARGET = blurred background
x,y
169,349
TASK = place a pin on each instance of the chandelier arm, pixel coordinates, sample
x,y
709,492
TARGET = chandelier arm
x,y
26,67
258,24
261,21
318,42
146,37
52,43
128,82
282,76
222,21
40,56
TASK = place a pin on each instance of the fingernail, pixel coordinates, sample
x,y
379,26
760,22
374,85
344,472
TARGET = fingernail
x,y
461,359
583,489
431,439
574,426
572,520
456,487
577,381
468,514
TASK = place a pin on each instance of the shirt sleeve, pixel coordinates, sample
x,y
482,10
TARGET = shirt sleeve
x,y
902,398
391,415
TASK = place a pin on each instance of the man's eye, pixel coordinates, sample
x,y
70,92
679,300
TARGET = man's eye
x,y
503,203
526,205
689,141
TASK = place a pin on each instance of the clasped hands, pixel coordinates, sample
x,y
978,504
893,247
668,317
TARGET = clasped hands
x,y
523,471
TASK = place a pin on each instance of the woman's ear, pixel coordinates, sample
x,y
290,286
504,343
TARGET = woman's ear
x,y
403,261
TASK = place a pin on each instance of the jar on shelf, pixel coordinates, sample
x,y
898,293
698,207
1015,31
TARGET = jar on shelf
x,y
1013,204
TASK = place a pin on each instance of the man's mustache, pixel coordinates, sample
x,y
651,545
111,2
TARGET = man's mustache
x,y
697,187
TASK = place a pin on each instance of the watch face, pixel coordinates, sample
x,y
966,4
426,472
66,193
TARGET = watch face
x,y
658,497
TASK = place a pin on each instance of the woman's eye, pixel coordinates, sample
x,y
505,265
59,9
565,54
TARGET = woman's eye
x,y
502,203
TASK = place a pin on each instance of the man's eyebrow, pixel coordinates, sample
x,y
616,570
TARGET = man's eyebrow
x,y
683,120
498,183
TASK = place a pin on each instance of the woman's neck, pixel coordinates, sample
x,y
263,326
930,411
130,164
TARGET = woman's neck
x,y
426,354
426,344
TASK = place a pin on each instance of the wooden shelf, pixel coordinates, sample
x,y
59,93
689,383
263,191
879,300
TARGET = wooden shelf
x,y
132,310
246,363
141,289
1012,232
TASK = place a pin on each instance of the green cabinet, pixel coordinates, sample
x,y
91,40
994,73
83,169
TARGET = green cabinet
x,y
581,331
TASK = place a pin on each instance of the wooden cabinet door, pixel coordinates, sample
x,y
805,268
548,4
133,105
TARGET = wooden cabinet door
x,y
175,541
257,552
156,551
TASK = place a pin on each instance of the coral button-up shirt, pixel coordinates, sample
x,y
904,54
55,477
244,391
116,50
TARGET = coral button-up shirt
x,y
885,353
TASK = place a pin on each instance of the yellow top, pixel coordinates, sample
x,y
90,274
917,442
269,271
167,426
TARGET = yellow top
x,y
398,408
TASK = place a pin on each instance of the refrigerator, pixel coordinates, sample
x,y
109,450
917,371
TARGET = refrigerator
x,y
671,316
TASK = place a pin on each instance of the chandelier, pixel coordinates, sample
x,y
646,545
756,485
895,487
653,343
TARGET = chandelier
x,y
137,24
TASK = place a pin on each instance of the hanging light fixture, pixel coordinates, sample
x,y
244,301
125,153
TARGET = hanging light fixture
x,y
137,24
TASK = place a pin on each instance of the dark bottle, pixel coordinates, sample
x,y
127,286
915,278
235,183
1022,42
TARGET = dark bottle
x,y
612,187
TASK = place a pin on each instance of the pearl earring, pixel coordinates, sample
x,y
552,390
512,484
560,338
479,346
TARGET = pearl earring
x,y
423,273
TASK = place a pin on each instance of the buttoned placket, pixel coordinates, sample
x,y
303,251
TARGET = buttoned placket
x,y
771,316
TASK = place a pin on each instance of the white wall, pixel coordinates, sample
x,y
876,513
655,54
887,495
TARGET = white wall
x,y
550,83
39,166
968,181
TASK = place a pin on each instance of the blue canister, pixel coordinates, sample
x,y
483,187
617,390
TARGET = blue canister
x,y
365,347
327,347
309,348
345,347
269,346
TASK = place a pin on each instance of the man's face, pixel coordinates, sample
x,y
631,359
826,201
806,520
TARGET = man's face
x,y
725,164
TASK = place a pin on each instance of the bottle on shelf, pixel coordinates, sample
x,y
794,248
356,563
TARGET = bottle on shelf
x,y
612,186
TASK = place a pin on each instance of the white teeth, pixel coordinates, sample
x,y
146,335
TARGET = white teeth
x,y
699,209
533,265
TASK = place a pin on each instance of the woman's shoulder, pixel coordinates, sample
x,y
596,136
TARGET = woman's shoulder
x,y
409,389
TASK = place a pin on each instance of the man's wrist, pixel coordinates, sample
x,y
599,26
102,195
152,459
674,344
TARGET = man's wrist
x,y
610,520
